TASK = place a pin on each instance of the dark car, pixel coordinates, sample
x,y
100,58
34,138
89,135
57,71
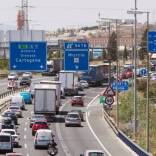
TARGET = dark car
x,y
25,81
80,113
7,123
12,115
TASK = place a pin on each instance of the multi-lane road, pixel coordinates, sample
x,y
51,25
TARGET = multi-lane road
x,y
72,141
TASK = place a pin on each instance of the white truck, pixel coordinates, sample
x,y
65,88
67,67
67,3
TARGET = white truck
x,y
46,99
69,82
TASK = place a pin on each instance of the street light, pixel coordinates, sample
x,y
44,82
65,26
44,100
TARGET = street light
x,y
135,12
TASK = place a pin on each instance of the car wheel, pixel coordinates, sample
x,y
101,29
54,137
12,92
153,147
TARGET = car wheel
x,y
33,133
35,146
66,125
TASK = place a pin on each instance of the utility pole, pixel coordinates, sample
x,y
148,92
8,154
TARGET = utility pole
x,y
148,84
24,7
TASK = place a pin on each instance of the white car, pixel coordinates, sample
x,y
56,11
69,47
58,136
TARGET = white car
x,y
27,74
93,153
16,109
15,138
12,76
6,142
72,118
42,138
84,83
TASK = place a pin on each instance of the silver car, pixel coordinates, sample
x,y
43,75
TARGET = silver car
x,y
73,118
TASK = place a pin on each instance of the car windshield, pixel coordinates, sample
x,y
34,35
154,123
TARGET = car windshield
x,y
77,98
73,116
4,138
25,78
37,117
13,107
96,154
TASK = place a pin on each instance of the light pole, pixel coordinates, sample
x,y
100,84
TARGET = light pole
x,y
135,12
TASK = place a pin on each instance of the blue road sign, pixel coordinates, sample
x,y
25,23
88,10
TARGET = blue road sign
x,y
152,41
28,56
76,56
143,71
120,85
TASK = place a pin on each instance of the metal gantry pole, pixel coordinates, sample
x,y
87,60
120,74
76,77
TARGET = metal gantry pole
x,y
147,104
135,64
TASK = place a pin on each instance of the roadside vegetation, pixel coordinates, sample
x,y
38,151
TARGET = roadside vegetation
x,y
126,114
4,64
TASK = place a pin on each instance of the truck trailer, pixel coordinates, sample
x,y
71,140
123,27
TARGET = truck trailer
x,y
69,82
46,99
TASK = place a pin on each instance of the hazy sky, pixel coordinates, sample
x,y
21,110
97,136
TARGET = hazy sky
x,y
53,14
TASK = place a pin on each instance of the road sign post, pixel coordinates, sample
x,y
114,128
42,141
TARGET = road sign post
x,y
76,56
28,56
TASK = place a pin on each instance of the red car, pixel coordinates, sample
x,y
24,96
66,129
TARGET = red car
x,y
39,125
77,100
128,73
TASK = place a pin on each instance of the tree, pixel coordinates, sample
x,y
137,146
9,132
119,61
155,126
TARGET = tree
x,y
125,54
112,47
143,49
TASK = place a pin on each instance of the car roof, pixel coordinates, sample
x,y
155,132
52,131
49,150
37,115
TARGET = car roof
x,y
44,130
72,113
77,96
9,130
14,154
4,134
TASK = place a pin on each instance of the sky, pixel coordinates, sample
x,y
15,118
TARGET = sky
x,y
54,14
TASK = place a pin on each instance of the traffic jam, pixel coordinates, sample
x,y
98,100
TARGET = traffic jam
x,y
42,95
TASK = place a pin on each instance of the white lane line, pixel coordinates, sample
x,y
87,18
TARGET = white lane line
x,y
25,146
64,147
87,120
25,137
27,154
25,129
26,123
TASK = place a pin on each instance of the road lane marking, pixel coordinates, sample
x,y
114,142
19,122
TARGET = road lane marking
x,y
26,123
27,154
25,146
87,120
64,147
25,129
25,136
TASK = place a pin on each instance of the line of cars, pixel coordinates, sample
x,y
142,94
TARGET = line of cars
x,y
13,78
9,137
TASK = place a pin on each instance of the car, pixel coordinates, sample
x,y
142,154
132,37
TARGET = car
x,y
84,83
27,74
11,114
36,117
153,76
93,153
18,101
14,154
80,113
42,138
15,138
26,81
39,125
77,100
6,142
12,84
7,123
27,97
16,109
12,76
72,118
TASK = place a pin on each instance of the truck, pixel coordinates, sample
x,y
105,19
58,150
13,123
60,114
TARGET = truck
x,y
69,82
53,67
97,74
46,99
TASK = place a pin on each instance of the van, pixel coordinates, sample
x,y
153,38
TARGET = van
x,y
18,101
6,142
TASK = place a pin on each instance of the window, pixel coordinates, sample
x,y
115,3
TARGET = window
x,y
5,138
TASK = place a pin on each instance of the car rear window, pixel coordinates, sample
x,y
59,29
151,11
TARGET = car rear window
x,y
41,123
4,138
96,154
10,132
73,115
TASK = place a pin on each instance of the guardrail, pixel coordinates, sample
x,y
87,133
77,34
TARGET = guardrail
x,y
4,104
10,92
136,148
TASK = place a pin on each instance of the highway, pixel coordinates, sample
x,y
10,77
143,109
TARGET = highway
x,y
72,141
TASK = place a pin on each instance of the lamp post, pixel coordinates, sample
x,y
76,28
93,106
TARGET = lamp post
x,y
135,12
